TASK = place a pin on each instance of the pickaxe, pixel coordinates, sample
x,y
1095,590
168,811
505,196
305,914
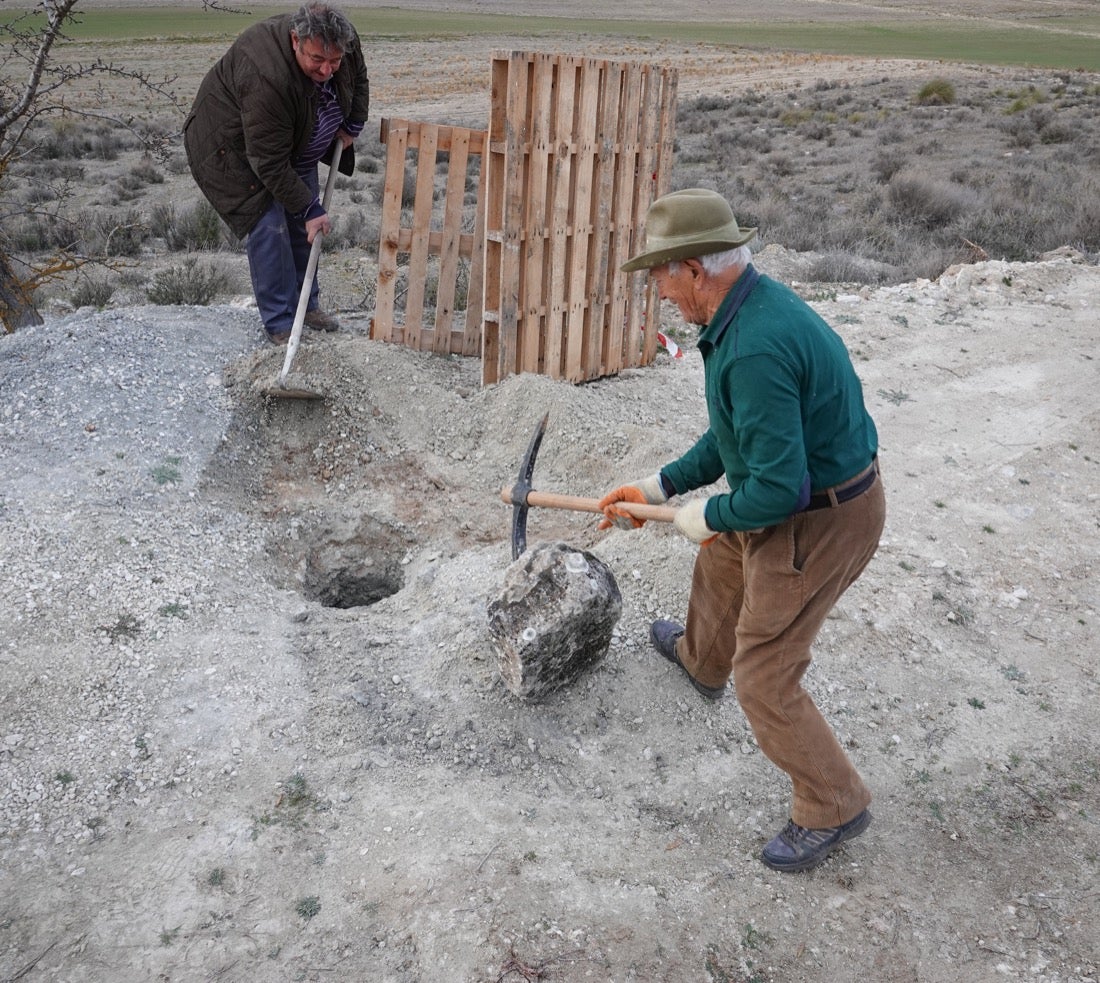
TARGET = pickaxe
x,y
521,497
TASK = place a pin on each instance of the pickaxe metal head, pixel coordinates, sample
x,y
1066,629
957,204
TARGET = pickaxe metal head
x,y
522,488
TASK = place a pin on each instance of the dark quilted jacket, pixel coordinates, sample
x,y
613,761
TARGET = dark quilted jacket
x,y
253,115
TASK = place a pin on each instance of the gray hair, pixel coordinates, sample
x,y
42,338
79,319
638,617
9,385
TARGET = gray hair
x,y
715,263
319,22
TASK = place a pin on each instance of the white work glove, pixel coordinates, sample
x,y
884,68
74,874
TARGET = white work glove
x,y
691,521
648,491
653,490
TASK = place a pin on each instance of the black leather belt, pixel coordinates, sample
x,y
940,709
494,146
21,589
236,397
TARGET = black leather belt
x,y
822,500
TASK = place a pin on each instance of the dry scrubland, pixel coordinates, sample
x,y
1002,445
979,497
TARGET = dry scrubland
x,y
884,172
211,768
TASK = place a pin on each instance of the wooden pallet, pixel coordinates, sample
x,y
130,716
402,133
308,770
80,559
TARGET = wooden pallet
x,y
577,149
432,240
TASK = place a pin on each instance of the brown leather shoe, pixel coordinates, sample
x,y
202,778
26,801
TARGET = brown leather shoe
x,y
318,320
279,337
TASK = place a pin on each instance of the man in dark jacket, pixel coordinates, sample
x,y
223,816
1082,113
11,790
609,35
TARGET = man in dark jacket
x,y
801,518
271,108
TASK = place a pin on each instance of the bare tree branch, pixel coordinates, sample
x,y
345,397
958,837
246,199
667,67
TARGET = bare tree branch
x,y
33,86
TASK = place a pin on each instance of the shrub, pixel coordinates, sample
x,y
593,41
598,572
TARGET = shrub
x,y
710,103
193,229
188,283
888,163
936,92
927,201
1023,101
357,229
92,292
844,267
119,233
31,234
145,171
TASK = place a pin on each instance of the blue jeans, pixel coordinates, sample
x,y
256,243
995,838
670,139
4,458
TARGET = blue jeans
x,y
278,254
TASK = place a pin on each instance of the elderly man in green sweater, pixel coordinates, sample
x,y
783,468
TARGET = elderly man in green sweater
x,y
801,519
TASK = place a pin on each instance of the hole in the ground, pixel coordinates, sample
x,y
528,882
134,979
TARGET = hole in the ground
x,y
343,563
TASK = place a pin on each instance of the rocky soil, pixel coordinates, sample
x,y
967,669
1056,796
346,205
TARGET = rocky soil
x,y
205,771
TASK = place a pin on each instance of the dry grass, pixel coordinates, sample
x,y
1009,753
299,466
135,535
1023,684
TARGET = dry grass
x,y
894,189
832,156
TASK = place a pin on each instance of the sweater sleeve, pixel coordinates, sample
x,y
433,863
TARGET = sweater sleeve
x,y
700,466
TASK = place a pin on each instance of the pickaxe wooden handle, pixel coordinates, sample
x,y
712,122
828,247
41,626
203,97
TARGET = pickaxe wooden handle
x,y
521,496
550,500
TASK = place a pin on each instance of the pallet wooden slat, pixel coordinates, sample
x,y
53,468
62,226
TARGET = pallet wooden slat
x,y
471,342
607,132
383,325
421,228
449,246
514,175
585,168
536,115
561,218
491,357
639,347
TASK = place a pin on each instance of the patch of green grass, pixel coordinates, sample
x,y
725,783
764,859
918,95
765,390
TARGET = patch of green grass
x,y
793,117
961,615
64,777
976,703
936,92
127,626
172,610
308,907
753,938
167,472
1031,96
296,792
895,396
294,801
1023,43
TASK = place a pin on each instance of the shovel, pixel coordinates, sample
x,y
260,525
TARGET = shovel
x,y
282,389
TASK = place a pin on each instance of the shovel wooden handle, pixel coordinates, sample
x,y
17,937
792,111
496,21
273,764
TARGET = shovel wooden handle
x,y
550,500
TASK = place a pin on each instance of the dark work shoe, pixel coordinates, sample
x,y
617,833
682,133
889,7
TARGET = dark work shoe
x,y
278,337
798,848
320,321
663,635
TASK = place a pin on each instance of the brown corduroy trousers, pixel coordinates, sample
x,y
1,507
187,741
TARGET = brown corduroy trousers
x,y
757,603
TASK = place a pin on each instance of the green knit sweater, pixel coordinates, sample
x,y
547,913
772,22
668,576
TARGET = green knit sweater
x,y
785,406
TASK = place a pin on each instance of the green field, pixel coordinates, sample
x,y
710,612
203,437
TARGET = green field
x,y
1067,44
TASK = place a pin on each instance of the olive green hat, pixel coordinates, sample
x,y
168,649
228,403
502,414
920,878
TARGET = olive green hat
x,y
686,224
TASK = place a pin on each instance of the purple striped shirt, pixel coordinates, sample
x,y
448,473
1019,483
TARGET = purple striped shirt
x,y
330,118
